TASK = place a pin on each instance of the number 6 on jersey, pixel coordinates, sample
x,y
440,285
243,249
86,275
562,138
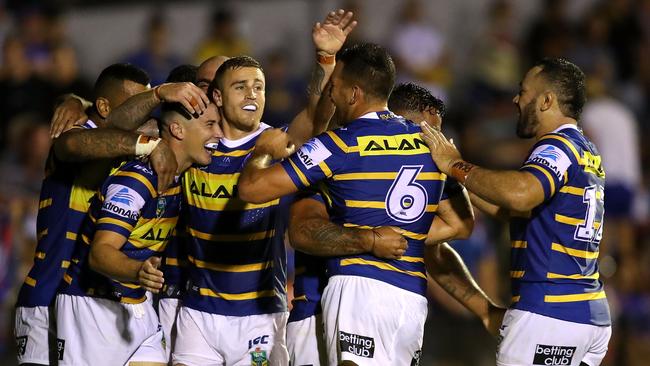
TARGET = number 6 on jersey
x,y
406,200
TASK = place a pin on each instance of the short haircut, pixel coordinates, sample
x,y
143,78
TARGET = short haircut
x,y
231,64
369,66
182,73
118,73
410,97
169,111
568,82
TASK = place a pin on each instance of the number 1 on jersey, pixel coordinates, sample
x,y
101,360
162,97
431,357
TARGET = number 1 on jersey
x,y
591,230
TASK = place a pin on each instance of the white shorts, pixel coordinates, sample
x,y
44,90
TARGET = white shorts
x,y
371,322
210,339
100,332
35,335
306,342
532,339
167,311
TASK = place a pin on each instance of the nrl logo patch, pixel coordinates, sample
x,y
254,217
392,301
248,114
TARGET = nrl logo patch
x,y
258,358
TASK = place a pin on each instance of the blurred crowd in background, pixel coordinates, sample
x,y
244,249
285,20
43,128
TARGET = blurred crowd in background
x,y
609,40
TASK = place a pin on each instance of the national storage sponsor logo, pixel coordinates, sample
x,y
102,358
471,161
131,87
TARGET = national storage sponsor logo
x,y
357,344
553,355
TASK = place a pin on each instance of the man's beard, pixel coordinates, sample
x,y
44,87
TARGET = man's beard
x,y
528,122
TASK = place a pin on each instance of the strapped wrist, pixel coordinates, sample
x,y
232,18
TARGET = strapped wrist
x,y
145,145
460,169
325,58
156,93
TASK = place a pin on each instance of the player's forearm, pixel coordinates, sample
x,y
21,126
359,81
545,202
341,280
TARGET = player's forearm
x,y
320,237
447,268
113,263
506,189
314,118
134,111
250,185
488,208
95,144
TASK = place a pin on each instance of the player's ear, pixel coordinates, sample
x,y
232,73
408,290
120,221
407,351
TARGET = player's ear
x,y
216,96
103,107
355,96
176,130
548,98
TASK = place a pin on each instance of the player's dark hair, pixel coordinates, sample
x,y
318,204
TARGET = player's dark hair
x,y
182,73
410,97
568,82
118,73
369,66
174,107
231,64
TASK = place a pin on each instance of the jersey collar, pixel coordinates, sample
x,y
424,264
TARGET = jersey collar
x,y
566,125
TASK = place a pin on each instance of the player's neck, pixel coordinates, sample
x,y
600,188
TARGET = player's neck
x,y
551,125
232,131
96,118
367,108
183,160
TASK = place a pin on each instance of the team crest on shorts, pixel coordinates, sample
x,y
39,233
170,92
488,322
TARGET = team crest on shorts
x,y
258,358
21,343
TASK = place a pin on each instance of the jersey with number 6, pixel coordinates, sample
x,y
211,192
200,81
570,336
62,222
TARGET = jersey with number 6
x,y
377,171
554,254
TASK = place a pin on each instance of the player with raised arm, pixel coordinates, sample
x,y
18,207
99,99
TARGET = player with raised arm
x,y
555,205
377,172
235,309
116,257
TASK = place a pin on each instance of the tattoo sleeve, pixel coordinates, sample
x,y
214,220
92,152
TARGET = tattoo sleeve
x,y
316,84
133,112
318,236
83,145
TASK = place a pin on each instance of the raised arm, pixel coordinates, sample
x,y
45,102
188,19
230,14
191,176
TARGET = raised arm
x,y
312,232
69,111
328,37
513,190
447,268
136,110
106,258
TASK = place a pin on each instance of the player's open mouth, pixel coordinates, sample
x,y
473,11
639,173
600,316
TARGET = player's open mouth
x,y
211,147
250,107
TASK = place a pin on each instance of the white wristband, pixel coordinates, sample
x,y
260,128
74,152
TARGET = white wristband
x,y
145,145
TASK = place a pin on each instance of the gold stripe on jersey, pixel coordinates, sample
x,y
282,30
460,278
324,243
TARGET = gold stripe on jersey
x,y
380,265
235,297
67,278
386,176
300,298
234,153
44,203
402,144
577,191
551,181
342,145
573,221
575,297
567,143
140,178
41,234
237,268
325,168
232,237
302,177
172,191
576,276
410,259
155,230
379,204
110,220
30,281
80,198
406,233
131,300
39,255
574,252
519,244
299,270
70,235
65,264
171,261
515,298
517,274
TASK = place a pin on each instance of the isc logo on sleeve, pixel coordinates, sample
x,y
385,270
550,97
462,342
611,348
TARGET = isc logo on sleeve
x,y
312,153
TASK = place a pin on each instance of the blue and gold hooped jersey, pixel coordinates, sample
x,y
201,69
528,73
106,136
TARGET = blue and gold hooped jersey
x,y
554,255
236,249
129,205
377,171
64,201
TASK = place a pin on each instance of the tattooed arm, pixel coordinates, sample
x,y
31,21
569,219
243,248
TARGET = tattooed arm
x,y
446,267
311,232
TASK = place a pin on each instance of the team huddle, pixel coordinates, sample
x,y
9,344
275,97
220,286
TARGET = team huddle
x,y
161,240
